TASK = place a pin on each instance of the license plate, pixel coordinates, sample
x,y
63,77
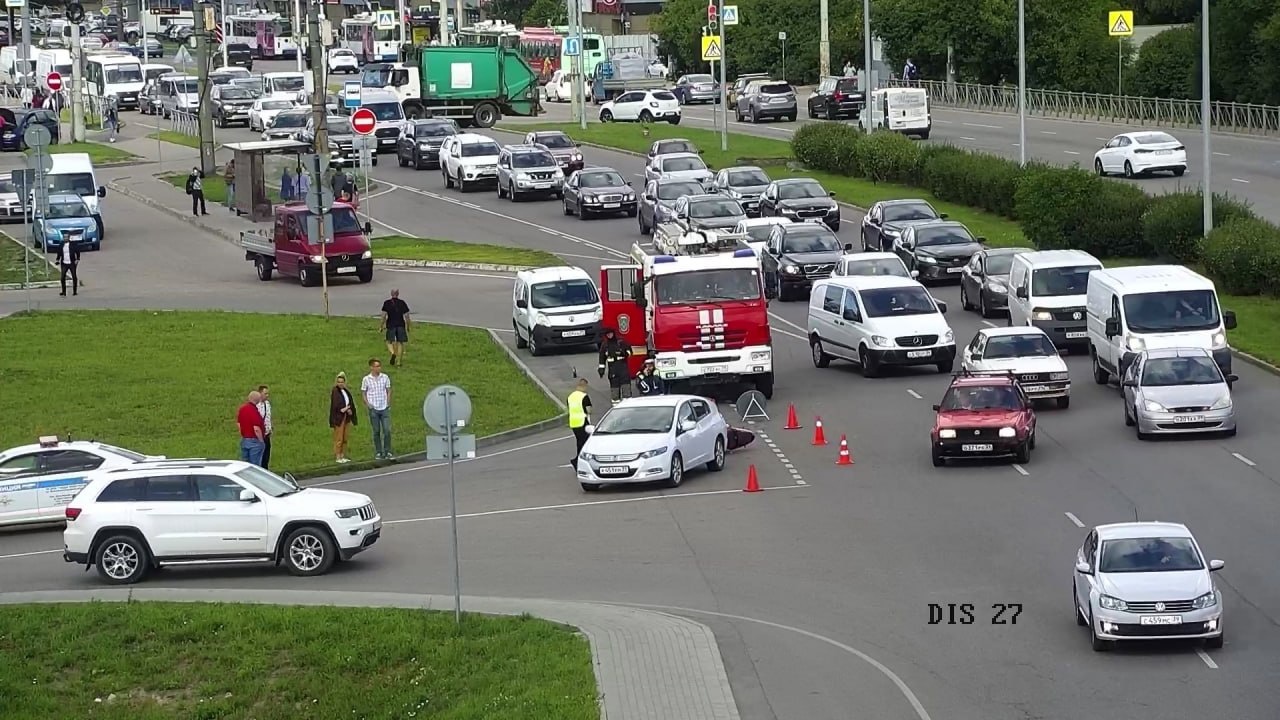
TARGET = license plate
x,y
1164,152
976,448
715,369
612,206
1035,388
1160,620
542,185
614,470
919,353
1077,335
955,270
377,526
1179,419
346,270
573,333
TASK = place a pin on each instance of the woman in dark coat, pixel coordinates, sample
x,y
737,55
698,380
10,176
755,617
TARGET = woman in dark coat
x,y
342,415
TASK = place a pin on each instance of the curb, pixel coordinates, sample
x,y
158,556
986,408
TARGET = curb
x,y
40,285
492,267
530,374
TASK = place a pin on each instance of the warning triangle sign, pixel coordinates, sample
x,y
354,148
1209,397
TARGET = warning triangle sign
x,y
1121,27
711,48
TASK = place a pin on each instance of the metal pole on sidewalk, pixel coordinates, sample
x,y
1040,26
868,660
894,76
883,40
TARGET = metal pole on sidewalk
x,y
320,117
204,118
1206,116
1022,82
453,506
225,29
724,89
142,31
77,98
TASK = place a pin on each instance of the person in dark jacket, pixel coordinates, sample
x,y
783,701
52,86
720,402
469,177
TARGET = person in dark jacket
x,y
195,188
68,261
614,352
342,415
649,382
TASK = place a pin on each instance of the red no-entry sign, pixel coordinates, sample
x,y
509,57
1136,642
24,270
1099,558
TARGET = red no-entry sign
x,y
53,82
363,121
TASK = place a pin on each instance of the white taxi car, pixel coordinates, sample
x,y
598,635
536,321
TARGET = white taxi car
x,y
37,481
642,106
650,439
1029,354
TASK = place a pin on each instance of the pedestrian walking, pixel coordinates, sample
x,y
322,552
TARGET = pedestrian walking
x,y
252,431
342,415
395,325
288,186
579,417
264,408
229,180
376,388
302,185
195,188
649,382
111,118
614,352
68,261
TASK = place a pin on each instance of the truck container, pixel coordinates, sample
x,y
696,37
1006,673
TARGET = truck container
x,y
473,85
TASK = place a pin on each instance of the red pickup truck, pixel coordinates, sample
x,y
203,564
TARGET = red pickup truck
x,y
289,249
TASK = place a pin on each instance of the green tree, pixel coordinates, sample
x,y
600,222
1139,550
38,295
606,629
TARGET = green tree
x,y
512,11
1239,30
545,13
982,34
1165,12
1167,65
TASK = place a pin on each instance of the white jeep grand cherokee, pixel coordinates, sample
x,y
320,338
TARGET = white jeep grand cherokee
x,y
129,520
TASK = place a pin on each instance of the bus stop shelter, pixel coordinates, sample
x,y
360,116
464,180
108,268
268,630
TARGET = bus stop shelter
x,y
252,196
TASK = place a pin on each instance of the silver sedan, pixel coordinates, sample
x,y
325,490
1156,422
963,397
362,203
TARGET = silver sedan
x,y
1176,391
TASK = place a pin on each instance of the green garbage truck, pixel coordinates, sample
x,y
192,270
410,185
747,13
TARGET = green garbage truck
x,y
474,85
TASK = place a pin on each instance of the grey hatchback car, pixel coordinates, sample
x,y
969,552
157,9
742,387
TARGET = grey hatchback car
x,y
767,100
1175,391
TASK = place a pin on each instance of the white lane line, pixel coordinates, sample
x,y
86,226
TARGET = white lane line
x,y
1014,144
29,554
1221,154
980,125
417,468
790,334
962,137
587,257
1207,660
1246,182
1048,132
1021,470
988,323
945,122
782,457
785,321
914,394
1244,459
1102,139
1074,520
1071,152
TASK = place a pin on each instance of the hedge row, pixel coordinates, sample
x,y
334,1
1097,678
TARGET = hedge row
x,y
1061,207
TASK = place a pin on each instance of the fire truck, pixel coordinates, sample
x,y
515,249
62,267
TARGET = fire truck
x,y
701,311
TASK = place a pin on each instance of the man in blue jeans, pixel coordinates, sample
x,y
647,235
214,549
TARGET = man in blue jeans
x,y
253,431
376,389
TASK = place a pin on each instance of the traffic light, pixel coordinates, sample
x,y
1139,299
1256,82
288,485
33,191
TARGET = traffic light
x,y
712,18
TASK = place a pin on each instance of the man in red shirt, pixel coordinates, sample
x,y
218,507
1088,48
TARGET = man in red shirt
x,y
252,430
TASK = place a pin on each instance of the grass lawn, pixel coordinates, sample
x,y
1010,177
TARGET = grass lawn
x,y
181,661
99,153
176,390
13,265
176,138
399,247
215,188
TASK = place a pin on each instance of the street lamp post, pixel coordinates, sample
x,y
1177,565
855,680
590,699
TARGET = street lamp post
x,y
1022,83
1205,115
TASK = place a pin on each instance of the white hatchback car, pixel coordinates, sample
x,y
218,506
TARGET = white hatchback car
x,y
678,166
1146,581
1028,353
650,439
642,106
1141,153
129,520
265,110
342,60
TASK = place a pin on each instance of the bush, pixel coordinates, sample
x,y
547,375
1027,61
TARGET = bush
x,y
979,180
1173,224
888,157
1168,66
1243,256
1073,209
828,146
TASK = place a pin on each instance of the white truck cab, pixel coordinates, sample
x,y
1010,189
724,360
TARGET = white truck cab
x,y
1151,307
555,307
1047,290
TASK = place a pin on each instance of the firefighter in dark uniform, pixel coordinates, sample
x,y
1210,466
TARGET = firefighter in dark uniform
x,y
648,381
614,352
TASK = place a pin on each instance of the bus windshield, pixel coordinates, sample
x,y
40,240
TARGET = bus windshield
x,y
707,286
124,74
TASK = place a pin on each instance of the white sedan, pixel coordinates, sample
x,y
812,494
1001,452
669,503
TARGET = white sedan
x,y
265,110
642,106
37,481
1026,352
1141,153
650,439
873,263
342,60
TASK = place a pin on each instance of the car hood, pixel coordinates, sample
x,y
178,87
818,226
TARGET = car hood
x,y
1186,395
949,252
626,444
605,191
807,204
336,499
716,223
479,161
977,418
1026,364
70,223
563,152
1155,586
826,256
694,175
188,98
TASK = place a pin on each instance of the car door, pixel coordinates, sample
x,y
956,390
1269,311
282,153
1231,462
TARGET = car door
x,y
826,319
971,278
871,228
768,201
522,313
852,323
165,516
904,246
681,211
627,106
972,359
19,476
504,168
649,203
571,192
1131,375
1109,152
289,253
706,432
720,182
223,524
1088,553
687,442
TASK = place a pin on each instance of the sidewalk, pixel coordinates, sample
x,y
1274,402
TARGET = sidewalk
x,y
648,665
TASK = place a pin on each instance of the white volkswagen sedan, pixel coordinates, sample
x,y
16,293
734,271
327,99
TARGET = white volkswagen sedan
x,y
1141,153
650,439
1028,353
642,106
1146,581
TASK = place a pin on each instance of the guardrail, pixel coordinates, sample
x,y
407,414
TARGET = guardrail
x,y
184,122
1163,112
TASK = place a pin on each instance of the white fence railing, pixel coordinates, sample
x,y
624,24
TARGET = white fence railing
x,y
1163,112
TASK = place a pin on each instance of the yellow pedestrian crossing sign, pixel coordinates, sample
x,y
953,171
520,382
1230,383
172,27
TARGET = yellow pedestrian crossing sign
x,y
1120,23
711,49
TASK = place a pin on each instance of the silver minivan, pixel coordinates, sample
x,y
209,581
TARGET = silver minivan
x,y
178,93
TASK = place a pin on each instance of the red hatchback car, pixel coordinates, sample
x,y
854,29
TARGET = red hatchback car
x,y
983,416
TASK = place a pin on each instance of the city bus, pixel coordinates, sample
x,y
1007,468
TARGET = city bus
x,y
540,47
268,34
361,36
118,74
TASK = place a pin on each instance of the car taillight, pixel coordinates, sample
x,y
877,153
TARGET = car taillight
x,y
72,513
1141,151
837,96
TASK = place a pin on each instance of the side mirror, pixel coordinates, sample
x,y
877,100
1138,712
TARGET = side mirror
x,y
1216,565
642,303
248,496
699,152
630,184
874,221
848,247
650,198
942,307
937,408
102,192
1129,383
1229,319
1083,567
1112,326
368,228
1021,293
915,274
522,304
943,216
590,429
831,194
981,240
688,426
1233,379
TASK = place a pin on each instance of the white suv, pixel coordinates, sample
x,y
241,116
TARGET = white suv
x,y
129,520
469,159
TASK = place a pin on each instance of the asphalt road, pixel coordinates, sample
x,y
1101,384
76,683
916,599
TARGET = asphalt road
x,y
854,555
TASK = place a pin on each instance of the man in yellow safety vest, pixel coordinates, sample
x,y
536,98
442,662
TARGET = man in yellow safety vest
x,y
579,416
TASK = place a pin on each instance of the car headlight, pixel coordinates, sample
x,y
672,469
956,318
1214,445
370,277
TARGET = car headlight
x,y
366,255
1059,376
522,176
927,260
424,146
760,355
577,157
1153,406
949,337
1109,603
1219,340
587,456
630,197
998,288
1041,315
948,434
317,258
347,514
1136,344
881,341
540,319
1222,403
790,269
597,314
1206,600
1008,432
656,452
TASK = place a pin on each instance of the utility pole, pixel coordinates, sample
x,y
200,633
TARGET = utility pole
x,y
577,82
204,117
724,88
225,61
444,21
320,117
77,98
867,59
28,72
142,31
824,39
1206,116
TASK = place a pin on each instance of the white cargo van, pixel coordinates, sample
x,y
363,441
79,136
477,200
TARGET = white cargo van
x,y
285,85
1047,290
902,110
73,173
13,69
555,307
116,75
55,60
385,106
1151,307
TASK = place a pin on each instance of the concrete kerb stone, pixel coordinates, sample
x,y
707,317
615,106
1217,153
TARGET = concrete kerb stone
x,y
648,665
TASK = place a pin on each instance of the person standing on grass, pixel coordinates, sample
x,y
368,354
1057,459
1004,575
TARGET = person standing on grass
x,y
229,180
264,408
395,324
376,388
68,261
195,188
252,430
342,415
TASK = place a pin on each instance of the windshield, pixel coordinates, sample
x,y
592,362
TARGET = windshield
x,y
809,240
883,266
677,190
481,149
1169,372
899,213
339,127
747,178
79,183
885,302
62,210
386,111
284,120
288,84
345,222
7,186
602,180
759,233
801,191
942,236
716,208
563,293
707,286
433,130
635,420
681,164
555,141
185,86
999,264
1003,347
124,74
675,146
982,397
277,105
238,93
267,481
376,77
1061,281
699,78
1171,311
532,160
1149,555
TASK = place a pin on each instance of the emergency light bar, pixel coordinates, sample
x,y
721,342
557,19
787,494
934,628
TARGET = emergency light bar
x,y
48,441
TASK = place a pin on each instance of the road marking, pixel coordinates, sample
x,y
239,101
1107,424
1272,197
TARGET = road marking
x,y
962,137
1074,520
426,271
1102,139
416,468
988,323
569,506
914,394
1021,470
1246,182
1221,154
1207,660
1244,459
1071,152
1048,132
587,257
29,554
980,125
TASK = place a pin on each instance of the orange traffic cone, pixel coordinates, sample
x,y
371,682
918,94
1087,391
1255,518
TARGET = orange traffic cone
x,y
793,423
819,437
753,482
845,458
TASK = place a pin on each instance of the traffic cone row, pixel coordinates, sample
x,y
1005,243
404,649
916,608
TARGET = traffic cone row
x,y
819,437
845,457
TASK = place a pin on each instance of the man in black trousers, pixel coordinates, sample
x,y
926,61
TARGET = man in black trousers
x,y
195,188
68,259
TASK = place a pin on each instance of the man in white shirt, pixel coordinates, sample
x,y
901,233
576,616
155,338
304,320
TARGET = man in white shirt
x,y
376,389
264,407
68,259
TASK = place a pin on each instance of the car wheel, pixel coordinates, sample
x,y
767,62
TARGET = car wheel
x,y
1024,452
1128,169
1100,375
534,348
717,457
938,460
521,343
1097,168
1064,402
1137,427
400,159
567,209
309,551
870,368
582,212
964,298
1215,643
501,191
606,116
1033,439
448,179
1097,643
646,116
982,306
122,560
677,471
820,357
1075,603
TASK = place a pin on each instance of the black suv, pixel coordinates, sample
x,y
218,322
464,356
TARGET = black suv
x,y
800,199
419,144
240,55
567,152
837,97
231,104
797,254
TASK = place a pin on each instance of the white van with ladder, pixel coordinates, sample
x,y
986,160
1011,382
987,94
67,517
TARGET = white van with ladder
x,y
902,110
